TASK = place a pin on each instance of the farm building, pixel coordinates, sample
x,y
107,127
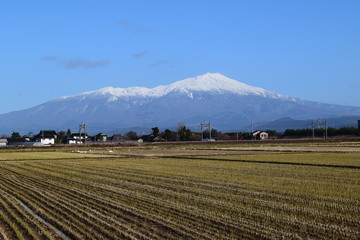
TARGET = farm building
x,y
46,137
260,135
150,138
3,142
119,138
76,138
101,137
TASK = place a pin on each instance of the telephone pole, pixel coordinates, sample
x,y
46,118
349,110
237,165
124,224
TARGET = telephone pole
x,y
82,128
319,124
324,125
203,126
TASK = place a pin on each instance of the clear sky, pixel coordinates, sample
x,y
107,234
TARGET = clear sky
x,y
302,48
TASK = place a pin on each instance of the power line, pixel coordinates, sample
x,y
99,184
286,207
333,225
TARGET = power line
x,y
205,126
319,124
82,128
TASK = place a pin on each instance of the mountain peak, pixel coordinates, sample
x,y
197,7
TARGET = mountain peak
x,y
208,82
211,76
216,82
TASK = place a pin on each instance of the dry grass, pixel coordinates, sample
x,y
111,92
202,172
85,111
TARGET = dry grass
x,y
180,192
46,155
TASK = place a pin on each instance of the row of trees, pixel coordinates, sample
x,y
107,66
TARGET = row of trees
x,y
182,133
319,132
61,136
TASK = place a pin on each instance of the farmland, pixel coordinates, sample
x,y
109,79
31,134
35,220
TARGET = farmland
x,y
182,192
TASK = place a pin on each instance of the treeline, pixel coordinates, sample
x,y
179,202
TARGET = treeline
x,y
185,134
320,132
182,133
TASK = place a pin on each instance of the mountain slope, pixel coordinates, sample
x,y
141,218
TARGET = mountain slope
x,y
226,103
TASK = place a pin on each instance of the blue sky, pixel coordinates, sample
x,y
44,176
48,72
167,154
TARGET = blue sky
x,y
306,49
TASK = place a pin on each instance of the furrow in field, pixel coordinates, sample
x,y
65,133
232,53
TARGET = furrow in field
x,y
52,214
87,210
227,227
20,224
276,206
145,202
141,220
36,227
8,227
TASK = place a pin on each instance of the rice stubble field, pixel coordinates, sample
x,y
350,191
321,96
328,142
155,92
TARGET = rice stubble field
x,y
180,192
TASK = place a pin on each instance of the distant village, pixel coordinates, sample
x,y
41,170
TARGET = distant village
x,y
51,137
182,133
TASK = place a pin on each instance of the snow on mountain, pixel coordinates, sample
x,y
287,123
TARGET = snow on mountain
x,y
209,82
226,103
216,82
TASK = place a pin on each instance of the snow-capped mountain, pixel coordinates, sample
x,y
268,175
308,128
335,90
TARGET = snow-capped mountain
x,y
209,82
226,103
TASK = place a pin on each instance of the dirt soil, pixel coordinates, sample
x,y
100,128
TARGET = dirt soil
x,y
158,150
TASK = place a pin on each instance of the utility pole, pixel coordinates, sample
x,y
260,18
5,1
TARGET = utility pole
x,y
82,128
319,124
312,125
210,130
313,129
326,130
203,126
324,124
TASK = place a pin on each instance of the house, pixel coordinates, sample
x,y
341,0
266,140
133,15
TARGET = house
x,y
260,135
76,138
119,138
101,137
73,141
3,142
46,137
150,138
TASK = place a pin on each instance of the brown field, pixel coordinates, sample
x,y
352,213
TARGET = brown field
x,y
192,191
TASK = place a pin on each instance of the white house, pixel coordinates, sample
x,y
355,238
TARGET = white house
x,y
264,135
260,135
101,137
73,141
76,138
46,137
3,142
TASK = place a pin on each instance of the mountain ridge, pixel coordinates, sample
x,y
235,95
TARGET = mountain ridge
x,y
214,82
226,103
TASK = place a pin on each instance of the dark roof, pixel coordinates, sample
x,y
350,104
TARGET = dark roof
x,y
78,135
151,138
119,137
147,138
258,132
46,134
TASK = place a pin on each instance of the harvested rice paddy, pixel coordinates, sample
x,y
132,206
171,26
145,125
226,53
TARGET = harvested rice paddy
x,y
179,193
